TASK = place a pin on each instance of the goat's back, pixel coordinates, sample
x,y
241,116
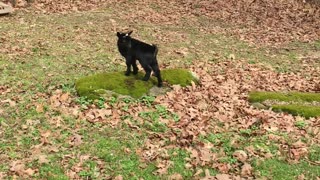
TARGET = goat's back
x,y
143,47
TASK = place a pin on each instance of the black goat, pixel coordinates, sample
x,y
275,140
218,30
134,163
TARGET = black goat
x,y
132,49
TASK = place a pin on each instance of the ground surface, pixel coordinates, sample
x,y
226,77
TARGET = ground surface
x,y
201,131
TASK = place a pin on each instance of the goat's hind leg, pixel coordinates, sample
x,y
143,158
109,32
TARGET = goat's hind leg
x,y
156,70
147,69
135,67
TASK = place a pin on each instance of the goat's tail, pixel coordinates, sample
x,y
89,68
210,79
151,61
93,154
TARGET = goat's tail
x,y
155,50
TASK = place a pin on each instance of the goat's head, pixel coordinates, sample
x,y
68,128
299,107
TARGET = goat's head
x,y
124,37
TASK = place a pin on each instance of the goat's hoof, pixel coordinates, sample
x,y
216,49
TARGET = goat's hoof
x,y
135,72
127,73
145,79
159,84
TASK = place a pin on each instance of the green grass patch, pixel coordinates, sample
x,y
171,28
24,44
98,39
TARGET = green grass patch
x,y
314,153
178,157
296,103
52,172
276,169
96,85
110,146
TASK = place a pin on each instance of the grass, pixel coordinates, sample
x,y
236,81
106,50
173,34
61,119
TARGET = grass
x,y
117,161
314,153
278,169
52,172
178,157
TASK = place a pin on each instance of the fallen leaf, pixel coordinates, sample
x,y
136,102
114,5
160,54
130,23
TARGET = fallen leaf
x,y
119,177
29,172
42,159
17,167
176,176
223,177
75,140
39,108
246,170
10,102
240,155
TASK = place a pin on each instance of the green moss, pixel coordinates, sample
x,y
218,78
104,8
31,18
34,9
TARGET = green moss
x,y
287,97
95,85
178,76
296,103
295,109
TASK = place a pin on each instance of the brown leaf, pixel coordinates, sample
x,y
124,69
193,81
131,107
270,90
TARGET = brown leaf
x,y
206,155
75,140
2,175
44,137
223,167
17,167
53,149
223,177
29,172
301,177
10,102
199,171
119,177
39,108
176,176
207,175
240,155
45,134
64,97
246,170
163,167
42,159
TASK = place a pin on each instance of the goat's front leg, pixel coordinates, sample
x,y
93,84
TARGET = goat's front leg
x,y
135,67
128,63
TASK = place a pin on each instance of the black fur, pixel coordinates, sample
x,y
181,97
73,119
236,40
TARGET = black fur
x,y
132,49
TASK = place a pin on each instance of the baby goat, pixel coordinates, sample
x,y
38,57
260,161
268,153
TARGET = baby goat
x,y
132,49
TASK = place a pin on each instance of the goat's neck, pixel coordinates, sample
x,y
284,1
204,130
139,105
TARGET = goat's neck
x,y
125,44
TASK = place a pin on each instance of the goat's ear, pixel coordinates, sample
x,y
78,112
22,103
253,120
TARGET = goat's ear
x,y
129,33
118,34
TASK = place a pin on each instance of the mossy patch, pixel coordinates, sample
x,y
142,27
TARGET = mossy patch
x,y
178,76
96,85
296,103
287,97
296,109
